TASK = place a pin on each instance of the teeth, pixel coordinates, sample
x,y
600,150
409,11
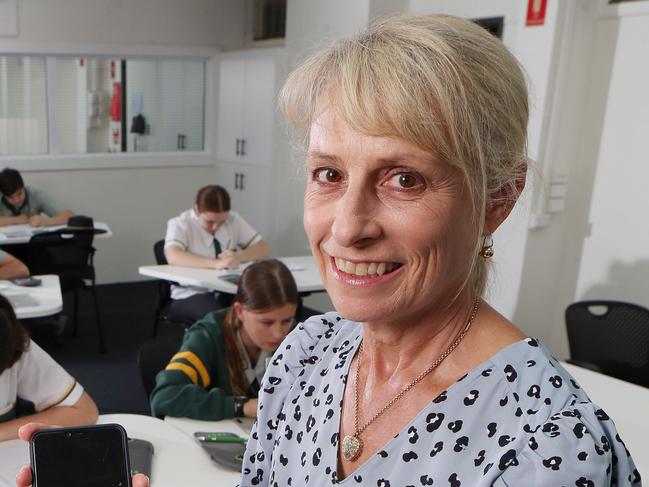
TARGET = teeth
x,y
363,268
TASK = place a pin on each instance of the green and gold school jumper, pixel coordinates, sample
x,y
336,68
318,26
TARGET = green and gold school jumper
x,y
195,384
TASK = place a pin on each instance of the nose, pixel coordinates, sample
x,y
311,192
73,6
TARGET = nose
x,y
277,332
355,220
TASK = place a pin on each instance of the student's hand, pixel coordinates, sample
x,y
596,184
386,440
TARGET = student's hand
x,y
250,408
228,259
21,219
24,477
36,221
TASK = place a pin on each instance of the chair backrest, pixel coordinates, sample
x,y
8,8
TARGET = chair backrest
x,y
159,252
154,355
612,335
68,253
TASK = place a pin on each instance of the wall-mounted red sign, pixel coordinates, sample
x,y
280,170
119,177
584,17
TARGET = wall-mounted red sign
x,y
536,12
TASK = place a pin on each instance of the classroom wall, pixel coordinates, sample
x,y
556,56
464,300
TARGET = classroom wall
x,y
136,202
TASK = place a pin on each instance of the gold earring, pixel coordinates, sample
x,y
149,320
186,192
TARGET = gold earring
x,y
487,250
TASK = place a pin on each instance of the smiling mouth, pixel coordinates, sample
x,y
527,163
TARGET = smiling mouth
x,y
362,269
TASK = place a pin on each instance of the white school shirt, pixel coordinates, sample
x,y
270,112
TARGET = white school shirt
x,y
38,378
185,231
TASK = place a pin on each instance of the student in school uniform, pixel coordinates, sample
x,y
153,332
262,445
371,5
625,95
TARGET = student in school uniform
x,y
223,357
22,204
209,236
11,267
29,373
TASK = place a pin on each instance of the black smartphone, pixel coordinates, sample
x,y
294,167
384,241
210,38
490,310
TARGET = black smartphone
x,y
26,281
86,456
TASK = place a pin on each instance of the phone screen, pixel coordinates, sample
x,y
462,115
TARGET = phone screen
x,y
90,456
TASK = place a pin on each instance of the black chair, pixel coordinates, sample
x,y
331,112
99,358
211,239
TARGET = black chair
x,y
611,337
154,355
163,310
69,254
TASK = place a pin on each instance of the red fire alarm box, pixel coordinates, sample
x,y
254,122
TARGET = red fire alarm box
x,y
536,12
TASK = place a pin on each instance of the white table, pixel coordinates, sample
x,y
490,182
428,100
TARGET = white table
x,y
47,295
178,460
238,426
304,270
626,403
20,234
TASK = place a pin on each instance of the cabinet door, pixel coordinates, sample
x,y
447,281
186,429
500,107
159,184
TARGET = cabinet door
x,y
250,193
258,111
182,98
230,118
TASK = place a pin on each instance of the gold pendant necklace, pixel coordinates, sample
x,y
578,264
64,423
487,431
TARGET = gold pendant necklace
x,y
352,444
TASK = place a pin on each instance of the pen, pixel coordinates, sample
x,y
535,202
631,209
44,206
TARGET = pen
x,y
215,438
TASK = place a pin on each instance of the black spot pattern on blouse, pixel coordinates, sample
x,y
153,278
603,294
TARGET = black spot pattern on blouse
x,y
518,416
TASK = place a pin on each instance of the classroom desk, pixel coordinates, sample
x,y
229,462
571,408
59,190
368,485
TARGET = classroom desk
x,y
20,234
303,268
626,403
178,460
47,296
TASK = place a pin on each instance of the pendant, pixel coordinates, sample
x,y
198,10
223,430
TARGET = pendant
x,y
352,447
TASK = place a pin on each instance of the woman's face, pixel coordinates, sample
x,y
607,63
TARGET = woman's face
x,y
211,221
389,224
265,329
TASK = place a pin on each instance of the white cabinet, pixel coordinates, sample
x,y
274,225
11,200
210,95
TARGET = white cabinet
x,y
246,112
250,192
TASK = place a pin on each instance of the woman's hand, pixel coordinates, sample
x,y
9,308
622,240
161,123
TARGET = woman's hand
x,y
36,221
24,477
228,259
250,408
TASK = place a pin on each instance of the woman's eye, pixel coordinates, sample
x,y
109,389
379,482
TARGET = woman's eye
x,y
404,180
327,175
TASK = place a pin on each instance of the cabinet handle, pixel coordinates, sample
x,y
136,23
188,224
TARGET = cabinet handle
x,y
243,147
241,181
178,144
236,179
238,151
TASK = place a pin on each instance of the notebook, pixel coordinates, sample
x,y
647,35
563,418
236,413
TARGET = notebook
x,y
21,300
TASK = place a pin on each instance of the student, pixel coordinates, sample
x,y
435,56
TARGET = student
x,y
29,373
208,236
21,204
11,267
223,357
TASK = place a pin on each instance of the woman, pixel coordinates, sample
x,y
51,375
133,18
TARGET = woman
x,y
416,134
218,369
209,236
29,373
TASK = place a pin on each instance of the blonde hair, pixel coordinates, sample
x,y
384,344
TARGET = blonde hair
x,y
442,83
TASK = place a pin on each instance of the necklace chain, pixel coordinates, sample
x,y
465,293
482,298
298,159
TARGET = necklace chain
x,y
433,366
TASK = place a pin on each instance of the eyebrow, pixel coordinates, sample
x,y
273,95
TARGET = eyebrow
x,y
400,158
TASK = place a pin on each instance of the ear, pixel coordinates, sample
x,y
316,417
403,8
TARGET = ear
x,y
503,200
238,309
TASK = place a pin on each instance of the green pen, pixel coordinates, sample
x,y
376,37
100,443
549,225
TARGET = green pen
x,y
221,438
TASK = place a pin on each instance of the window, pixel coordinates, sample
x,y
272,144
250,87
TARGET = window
x,y
101,105
23,113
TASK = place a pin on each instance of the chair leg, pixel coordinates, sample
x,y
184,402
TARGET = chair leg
x,y
75,312
100,330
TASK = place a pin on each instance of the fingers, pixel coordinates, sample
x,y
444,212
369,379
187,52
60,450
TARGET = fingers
x,y
24,477
26,431
139,480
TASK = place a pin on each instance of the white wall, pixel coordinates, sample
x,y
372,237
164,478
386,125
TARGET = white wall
x,y
207,23
615,258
